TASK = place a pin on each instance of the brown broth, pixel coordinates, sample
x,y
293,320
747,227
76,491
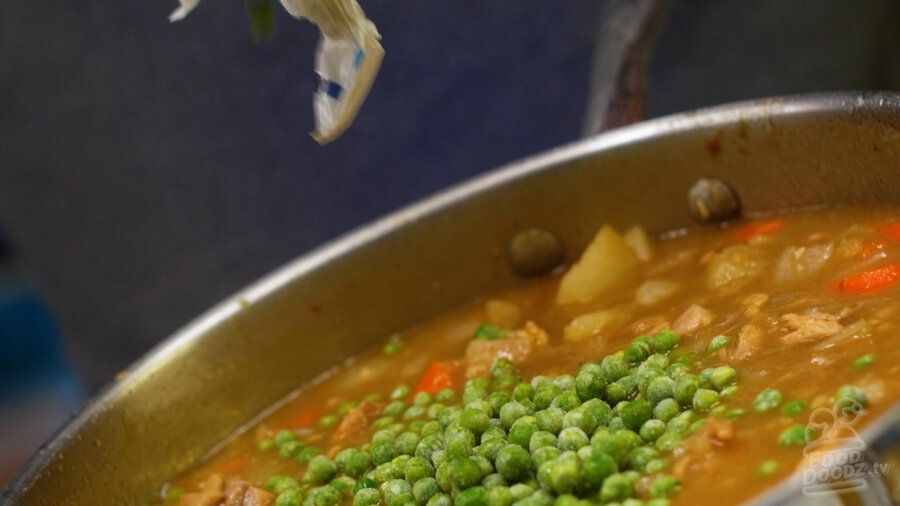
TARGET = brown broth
x,y
801,371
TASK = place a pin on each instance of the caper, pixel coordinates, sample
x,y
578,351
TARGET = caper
x,y
711,200
534,252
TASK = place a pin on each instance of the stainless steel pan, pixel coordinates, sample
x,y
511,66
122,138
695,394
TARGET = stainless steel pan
x,y
200,385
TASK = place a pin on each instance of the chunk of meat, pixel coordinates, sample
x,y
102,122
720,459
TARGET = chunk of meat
x,y
810,326
733,268
597,323
210,493
503,313
356,420
697,450
242,493
693,319
753,304
798,263
750,340
650,325
517,346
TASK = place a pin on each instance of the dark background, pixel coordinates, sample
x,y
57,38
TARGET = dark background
x,y
148,169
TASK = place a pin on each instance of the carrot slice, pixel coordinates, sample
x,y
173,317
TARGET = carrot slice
x,y
752,230
306,418
233,466
870,248
437,377
892,230
870,281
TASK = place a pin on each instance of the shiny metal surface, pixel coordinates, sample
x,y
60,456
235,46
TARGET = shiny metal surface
x,y
243,355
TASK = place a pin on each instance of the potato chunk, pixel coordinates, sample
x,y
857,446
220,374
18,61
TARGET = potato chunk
x,y
593,324
605,263
733,268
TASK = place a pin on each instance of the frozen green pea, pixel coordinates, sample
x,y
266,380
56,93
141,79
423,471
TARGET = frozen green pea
x,y
474,420
656,466
616,392
406,443
367,497
424,489
418,468
660,388
666,340
664,486
545,393
597,468
794,407
440,500
540,439
513,462
400,392
616,487
566,401
705,400
382,452
864,361
565,475
463,473
766,468
581,418
666,409
717,343
668,441
458,441
284,436
414,412
638,458
612,445
493,480
306,454
722,376
652,430
521,431
472,496
396,492
734,414
353,462
613,367
321,469
571,438
520,491
344,484
637,352
636,413
590,384
281,483
685,388
422,399
550,419
511,412
544,454
728,391
767,400
677,370
523,391
795,435
394,408
493,433
495,401
851,397
491,448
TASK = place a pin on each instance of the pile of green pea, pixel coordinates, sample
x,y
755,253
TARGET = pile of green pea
x,y
501,441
